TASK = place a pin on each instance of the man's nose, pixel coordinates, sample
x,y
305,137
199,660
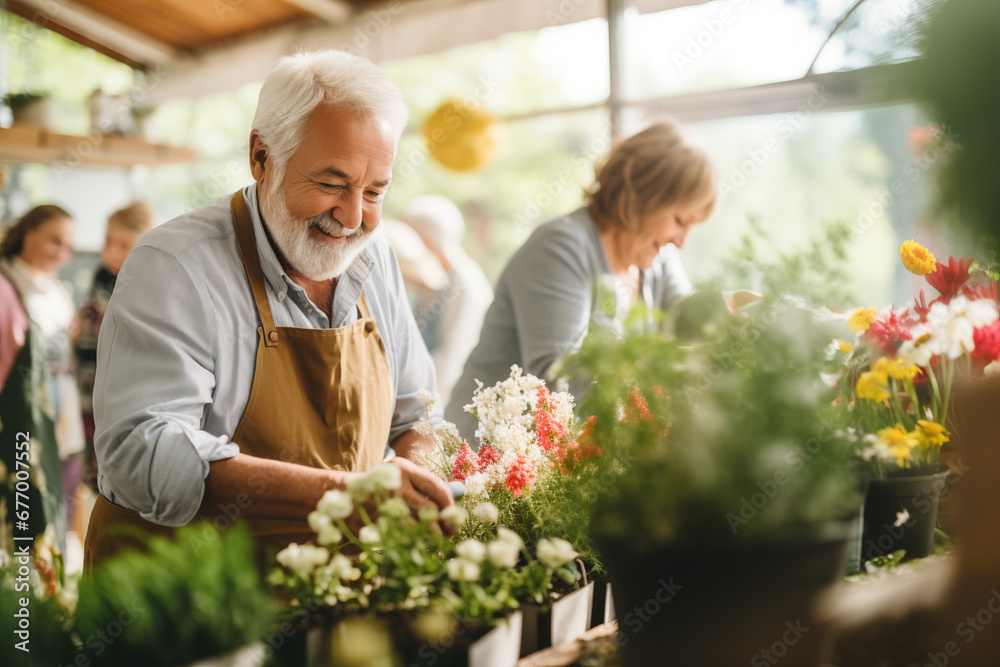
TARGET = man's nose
x,y
349,212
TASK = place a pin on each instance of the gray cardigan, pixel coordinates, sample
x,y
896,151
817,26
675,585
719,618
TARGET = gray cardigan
x,y
544,303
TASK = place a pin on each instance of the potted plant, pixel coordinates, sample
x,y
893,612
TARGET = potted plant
x,y
725,479
534,472
197,600
31,108
897,377
399,568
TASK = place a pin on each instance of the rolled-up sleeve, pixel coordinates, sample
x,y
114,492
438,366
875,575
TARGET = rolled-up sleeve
x,y
155,380
414,366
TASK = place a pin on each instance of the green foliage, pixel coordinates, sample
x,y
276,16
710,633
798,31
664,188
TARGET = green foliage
x,y
695,435
49,642
193,598
817,273
957,80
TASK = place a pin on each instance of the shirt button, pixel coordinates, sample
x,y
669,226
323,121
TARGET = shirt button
x,y
369,326
273,336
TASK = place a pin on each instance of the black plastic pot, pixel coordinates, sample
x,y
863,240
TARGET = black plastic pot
x,y
911,502
725,604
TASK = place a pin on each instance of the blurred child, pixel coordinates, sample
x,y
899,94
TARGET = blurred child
x,y
124,229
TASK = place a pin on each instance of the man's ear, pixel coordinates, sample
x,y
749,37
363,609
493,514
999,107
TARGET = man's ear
x,y
258,156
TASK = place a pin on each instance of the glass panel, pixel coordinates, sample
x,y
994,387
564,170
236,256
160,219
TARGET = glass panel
x,y
552,68
878,32
862,167
727,44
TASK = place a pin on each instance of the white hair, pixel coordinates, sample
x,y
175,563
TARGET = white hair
x,y
301,82
437,219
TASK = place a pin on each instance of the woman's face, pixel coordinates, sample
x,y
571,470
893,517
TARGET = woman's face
x,y
49,247
669,225
117,246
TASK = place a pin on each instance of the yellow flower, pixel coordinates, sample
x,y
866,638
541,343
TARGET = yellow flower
x,y
899,369
873,386
931,434
845,346
899,442
917,259
861,319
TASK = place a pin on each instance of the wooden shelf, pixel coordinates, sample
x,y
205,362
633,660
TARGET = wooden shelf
x,y
27,143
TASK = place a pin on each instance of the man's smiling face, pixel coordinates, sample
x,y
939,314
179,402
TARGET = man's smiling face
x,y
322,211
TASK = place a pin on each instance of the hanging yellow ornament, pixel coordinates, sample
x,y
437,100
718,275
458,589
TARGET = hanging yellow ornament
x,y
461,136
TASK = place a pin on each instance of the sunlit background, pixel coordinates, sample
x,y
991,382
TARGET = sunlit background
x,y
791,97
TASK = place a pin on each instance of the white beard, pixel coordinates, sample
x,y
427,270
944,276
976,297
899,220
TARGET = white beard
x,y
315,260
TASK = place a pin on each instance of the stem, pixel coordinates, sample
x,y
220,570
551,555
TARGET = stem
x,y
347,531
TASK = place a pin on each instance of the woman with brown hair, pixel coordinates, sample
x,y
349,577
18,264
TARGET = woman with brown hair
x,y
39,393
593,265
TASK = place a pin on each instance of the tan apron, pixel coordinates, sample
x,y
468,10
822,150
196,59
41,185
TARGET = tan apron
x,y
320,398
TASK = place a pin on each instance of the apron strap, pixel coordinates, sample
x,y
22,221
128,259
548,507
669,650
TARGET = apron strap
x,y
363,306
251,261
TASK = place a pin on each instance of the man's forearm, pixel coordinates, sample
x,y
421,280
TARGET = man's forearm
x,y
412,443
264,488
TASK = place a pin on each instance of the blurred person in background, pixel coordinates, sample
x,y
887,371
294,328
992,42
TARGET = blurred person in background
x,y
39,393
594,264
125,227
451,317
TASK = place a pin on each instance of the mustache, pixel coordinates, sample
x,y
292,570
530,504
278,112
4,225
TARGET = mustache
x,y
325,222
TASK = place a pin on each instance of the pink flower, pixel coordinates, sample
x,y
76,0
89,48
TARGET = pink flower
x,y
987,340
520,475
548,429
466,463
488,455
888,331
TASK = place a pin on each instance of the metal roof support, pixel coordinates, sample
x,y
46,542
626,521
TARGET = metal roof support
x,y
616,59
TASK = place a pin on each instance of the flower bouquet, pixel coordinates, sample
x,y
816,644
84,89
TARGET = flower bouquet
x,y
400,566
535,473
896,379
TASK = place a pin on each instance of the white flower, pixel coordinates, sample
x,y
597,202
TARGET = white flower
x,y
486,512
341,567
476,483
902,517
427,513
394,507
335,504
385,477
471,550
326,532
427,398
555,552
454,515
302,559
954,324
506,549
992,369
369,535
460,569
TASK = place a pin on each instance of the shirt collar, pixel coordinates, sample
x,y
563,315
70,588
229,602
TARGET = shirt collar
x,y
351,282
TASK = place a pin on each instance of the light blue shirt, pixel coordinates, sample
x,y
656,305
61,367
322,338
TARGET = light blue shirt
x,y
176,353
546,299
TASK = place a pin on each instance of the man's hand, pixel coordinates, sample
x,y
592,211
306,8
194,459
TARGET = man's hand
x,y
421,488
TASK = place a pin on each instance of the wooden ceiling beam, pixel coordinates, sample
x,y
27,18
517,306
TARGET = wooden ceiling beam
x,y
115,37
331,11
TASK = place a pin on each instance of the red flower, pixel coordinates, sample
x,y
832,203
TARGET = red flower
x,y
520,475
638,408
488,455
888,331
466,463
987,291
987,340
548,429
949,279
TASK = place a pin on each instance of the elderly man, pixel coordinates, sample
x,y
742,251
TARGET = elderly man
x,y
260,350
